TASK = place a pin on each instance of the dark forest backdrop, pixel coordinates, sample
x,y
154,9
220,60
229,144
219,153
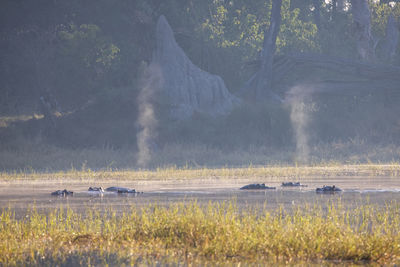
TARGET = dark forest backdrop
x,y
77,65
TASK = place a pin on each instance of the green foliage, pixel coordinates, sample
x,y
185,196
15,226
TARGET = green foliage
x,y
236,24
86,43
236,29
379,17
296,34
242,24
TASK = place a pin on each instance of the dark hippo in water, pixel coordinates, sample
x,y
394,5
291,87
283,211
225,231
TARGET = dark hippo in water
x,y
96,189
255,186
328,189
121,190
292,184
62,193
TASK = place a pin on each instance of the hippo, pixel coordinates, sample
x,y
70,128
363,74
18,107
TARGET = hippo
x,y
121,190
62,193
293,184
96,189
255,186
328,189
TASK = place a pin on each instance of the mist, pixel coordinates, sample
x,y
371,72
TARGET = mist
x,y
301,108
151,82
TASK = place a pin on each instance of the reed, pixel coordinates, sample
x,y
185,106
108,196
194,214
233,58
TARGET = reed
x,y
277,172
191,233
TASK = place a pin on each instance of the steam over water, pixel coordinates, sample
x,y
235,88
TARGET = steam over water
x,y
147,122
298,99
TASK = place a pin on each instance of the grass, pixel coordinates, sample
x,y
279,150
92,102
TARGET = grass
x,y
192,233
173,173
5,121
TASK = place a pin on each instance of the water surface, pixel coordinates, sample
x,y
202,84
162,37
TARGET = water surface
x,y
21,195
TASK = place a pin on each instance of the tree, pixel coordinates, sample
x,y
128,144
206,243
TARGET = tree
x,y
259,85
362,23
392,37
317,13
268,51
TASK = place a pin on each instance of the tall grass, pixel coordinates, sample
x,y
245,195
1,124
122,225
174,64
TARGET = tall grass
x,y
194,233
186,173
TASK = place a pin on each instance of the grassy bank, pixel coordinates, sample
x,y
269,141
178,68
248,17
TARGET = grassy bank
x,y
173,173
191,233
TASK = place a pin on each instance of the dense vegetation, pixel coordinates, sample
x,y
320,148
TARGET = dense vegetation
x,y
192,233
271,173
87,58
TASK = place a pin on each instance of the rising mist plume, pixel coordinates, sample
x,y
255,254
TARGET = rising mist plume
x,y
298,98
150,83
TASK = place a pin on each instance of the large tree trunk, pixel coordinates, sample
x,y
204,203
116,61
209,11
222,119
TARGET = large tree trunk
x,y
259,86
48,106
334,10
362,22
392,37
269,47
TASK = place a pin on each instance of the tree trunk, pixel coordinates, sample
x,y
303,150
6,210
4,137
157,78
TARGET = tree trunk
x,y
48,106
258,87
317,13
362,22
392,37
334,10
269,47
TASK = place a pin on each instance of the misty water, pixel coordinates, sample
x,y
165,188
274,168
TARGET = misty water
x,y
22,196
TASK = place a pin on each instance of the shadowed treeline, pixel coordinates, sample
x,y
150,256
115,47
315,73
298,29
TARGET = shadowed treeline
x,y
250,82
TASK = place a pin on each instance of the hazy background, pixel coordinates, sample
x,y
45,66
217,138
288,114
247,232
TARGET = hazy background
x,y
90,63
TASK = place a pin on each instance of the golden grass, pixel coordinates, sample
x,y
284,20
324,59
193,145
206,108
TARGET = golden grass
x,y
5,121
192,233
173,173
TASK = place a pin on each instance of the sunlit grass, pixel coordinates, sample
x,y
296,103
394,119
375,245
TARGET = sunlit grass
x,y
191,232
5,121
173,173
